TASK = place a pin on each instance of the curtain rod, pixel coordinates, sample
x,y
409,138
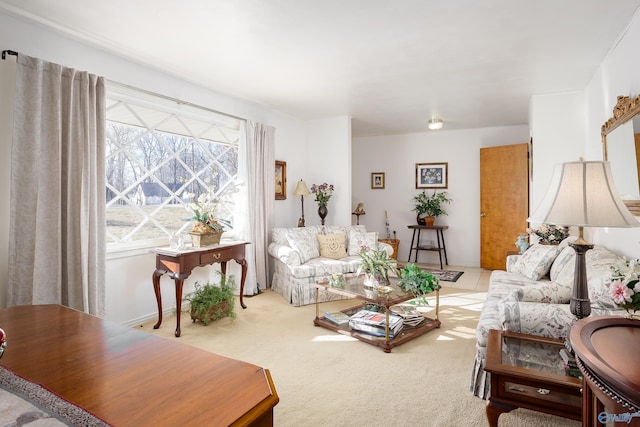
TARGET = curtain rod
x,y
148,92
190,104
8,52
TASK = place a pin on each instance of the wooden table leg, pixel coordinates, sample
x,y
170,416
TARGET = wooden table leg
x,y
494,410
243,263
179,284
156,288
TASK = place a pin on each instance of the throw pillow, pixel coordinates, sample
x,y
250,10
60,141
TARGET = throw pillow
x,y
536,261
359,240
332,245
305,243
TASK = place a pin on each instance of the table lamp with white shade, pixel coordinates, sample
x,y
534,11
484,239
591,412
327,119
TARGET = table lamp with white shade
x,y
302,190
582,194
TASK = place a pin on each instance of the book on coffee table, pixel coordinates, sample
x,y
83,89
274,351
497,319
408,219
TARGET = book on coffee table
x,y
374,323
337,317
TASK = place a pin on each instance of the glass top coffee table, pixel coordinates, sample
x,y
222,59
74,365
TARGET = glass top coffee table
x,y
528,372
386,301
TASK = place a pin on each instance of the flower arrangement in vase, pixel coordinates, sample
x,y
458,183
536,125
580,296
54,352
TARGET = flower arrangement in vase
x,y
549,234
323,193
624,288
204,209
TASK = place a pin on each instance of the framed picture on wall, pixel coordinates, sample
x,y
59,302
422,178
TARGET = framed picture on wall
x,y
281,180
432,175
377,180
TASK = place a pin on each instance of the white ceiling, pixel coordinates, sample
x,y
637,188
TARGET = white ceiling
x,y
390,65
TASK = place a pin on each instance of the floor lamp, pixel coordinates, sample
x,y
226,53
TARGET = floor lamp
x,y
302,190
582,194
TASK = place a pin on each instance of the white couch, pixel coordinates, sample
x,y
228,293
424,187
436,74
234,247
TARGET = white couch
x,y
296,255
532,297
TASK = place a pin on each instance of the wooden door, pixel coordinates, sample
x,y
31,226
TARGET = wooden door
x,y
504,201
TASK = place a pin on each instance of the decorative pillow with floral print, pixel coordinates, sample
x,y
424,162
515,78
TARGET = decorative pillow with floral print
x,y
536,261
305,243
359,240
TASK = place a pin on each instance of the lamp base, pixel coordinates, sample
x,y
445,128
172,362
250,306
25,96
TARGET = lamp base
x,y
580,305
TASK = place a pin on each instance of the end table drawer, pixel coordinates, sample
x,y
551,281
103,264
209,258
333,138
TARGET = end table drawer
x,y
528,393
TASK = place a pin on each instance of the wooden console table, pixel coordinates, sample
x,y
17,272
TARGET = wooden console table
x,y
128,377
607,349
416,246
179,264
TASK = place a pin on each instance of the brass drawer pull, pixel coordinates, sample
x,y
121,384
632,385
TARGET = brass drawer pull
x,y
543,391
518,389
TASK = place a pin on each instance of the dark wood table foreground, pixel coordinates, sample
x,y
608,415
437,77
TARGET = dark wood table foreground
x,y
608,350
129,377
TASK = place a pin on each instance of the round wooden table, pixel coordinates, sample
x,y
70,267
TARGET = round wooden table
x,y
607,350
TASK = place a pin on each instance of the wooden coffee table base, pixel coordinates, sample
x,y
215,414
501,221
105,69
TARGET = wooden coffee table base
x,y
407,333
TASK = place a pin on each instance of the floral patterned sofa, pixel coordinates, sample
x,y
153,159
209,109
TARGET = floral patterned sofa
x,y
304,254
532,297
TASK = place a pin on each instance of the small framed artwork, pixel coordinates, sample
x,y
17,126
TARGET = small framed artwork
x,y
377,180
432,175
281,180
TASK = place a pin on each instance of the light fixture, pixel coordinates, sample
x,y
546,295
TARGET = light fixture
x,y
435,123
582,194
302,190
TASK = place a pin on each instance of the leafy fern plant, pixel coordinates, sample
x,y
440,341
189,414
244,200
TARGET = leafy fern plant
x,y
376,263
211,302
417,281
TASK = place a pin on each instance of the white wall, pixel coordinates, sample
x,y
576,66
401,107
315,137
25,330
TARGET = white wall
x,y
397,156
130,297
557,126
619,74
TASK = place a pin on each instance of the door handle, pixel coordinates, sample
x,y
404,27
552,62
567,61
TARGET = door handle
x,y
482,214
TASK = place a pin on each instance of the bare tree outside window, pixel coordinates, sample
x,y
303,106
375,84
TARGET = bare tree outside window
x,y
153,156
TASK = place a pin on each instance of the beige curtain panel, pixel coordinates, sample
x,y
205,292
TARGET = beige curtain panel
x,y
57,225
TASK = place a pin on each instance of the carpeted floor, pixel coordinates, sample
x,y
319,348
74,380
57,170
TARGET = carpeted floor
x,y
23,402
327,379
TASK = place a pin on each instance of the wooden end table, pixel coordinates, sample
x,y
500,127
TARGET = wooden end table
x,y
179,263
527,372
417,247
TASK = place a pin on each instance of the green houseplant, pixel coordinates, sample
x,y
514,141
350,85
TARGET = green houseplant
x,y
211,302
429,207
377,265
417,281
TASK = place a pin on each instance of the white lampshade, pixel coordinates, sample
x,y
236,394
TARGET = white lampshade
x,y
583,194
302,189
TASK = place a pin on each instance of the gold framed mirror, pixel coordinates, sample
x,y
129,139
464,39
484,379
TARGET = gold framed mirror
x,y
621,147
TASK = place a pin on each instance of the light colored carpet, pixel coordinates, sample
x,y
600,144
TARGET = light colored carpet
x,y
326,379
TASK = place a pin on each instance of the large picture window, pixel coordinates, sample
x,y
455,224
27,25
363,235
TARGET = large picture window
x,y
156,151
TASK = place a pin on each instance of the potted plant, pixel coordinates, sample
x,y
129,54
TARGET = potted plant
x,y
211,302
417,281
376,265
429,207
207,224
